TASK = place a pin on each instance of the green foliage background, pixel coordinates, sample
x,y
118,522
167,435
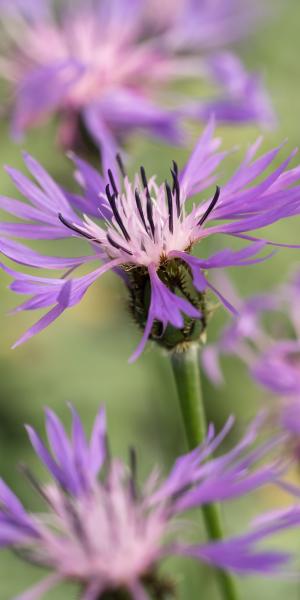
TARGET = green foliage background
x,y
83,357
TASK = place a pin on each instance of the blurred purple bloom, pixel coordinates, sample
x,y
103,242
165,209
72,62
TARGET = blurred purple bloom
x,y
143,229
104,532
269,348
205,24
105,66
244,99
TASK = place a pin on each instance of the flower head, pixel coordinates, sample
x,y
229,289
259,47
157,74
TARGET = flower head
x,y
144,232
103,68
105,532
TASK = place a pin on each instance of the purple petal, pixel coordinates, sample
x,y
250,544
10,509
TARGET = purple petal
x,y
191,174
60,445
21,210
46,458
66,293
42,324
166,307
26,256
211,365
54,193
102,136
94,185
98,443
42,91
34,232
13,534
80,451
127,110
228,555
36,592
9,500
33,193
225,487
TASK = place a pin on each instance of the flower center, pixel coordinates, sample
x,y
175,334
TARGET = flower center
x,y
107,56
146,222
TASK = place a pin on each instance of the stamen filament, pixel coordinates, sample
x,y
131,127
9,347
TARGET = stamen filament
x,y
116,245
112,182
78,230
112,201
121,165
149,207
170,206
176,187
140,209
211,206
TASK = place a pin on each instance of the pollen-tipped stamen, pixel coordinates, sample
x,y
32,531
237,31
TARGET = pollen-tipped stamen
x,y
117,245
140,209
76,229
35,484
133,472
170,206
112,182
121,165
176,187
211,206
149,201
112,201
76,523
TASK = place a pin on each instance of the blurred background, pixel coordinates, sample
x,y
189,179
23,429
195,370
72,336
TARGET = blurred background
x,y
83,357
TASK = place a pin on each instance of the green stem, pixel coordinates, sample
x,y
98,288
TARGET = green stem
x,y
188,381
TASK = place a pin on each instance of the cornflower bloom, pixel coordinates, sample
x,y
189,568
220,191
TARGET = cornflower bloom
x,y
103,69
106,533
265,335
145,233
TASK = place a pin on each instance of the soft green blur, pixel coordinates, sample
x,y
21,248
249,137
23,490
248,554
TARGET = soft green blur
x,y
83,357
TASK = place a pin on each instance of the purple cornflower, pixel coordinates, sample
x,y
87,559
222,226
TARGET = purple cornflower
x,y
106,533
278,367
270,348
145,233
102,67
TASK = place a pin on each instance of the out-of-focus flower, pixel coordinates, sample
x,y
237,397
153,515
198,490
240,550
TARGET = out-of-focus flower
x,y
101,66
265,335
278,364
146,235
244,99
207,24
270,348
106,533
